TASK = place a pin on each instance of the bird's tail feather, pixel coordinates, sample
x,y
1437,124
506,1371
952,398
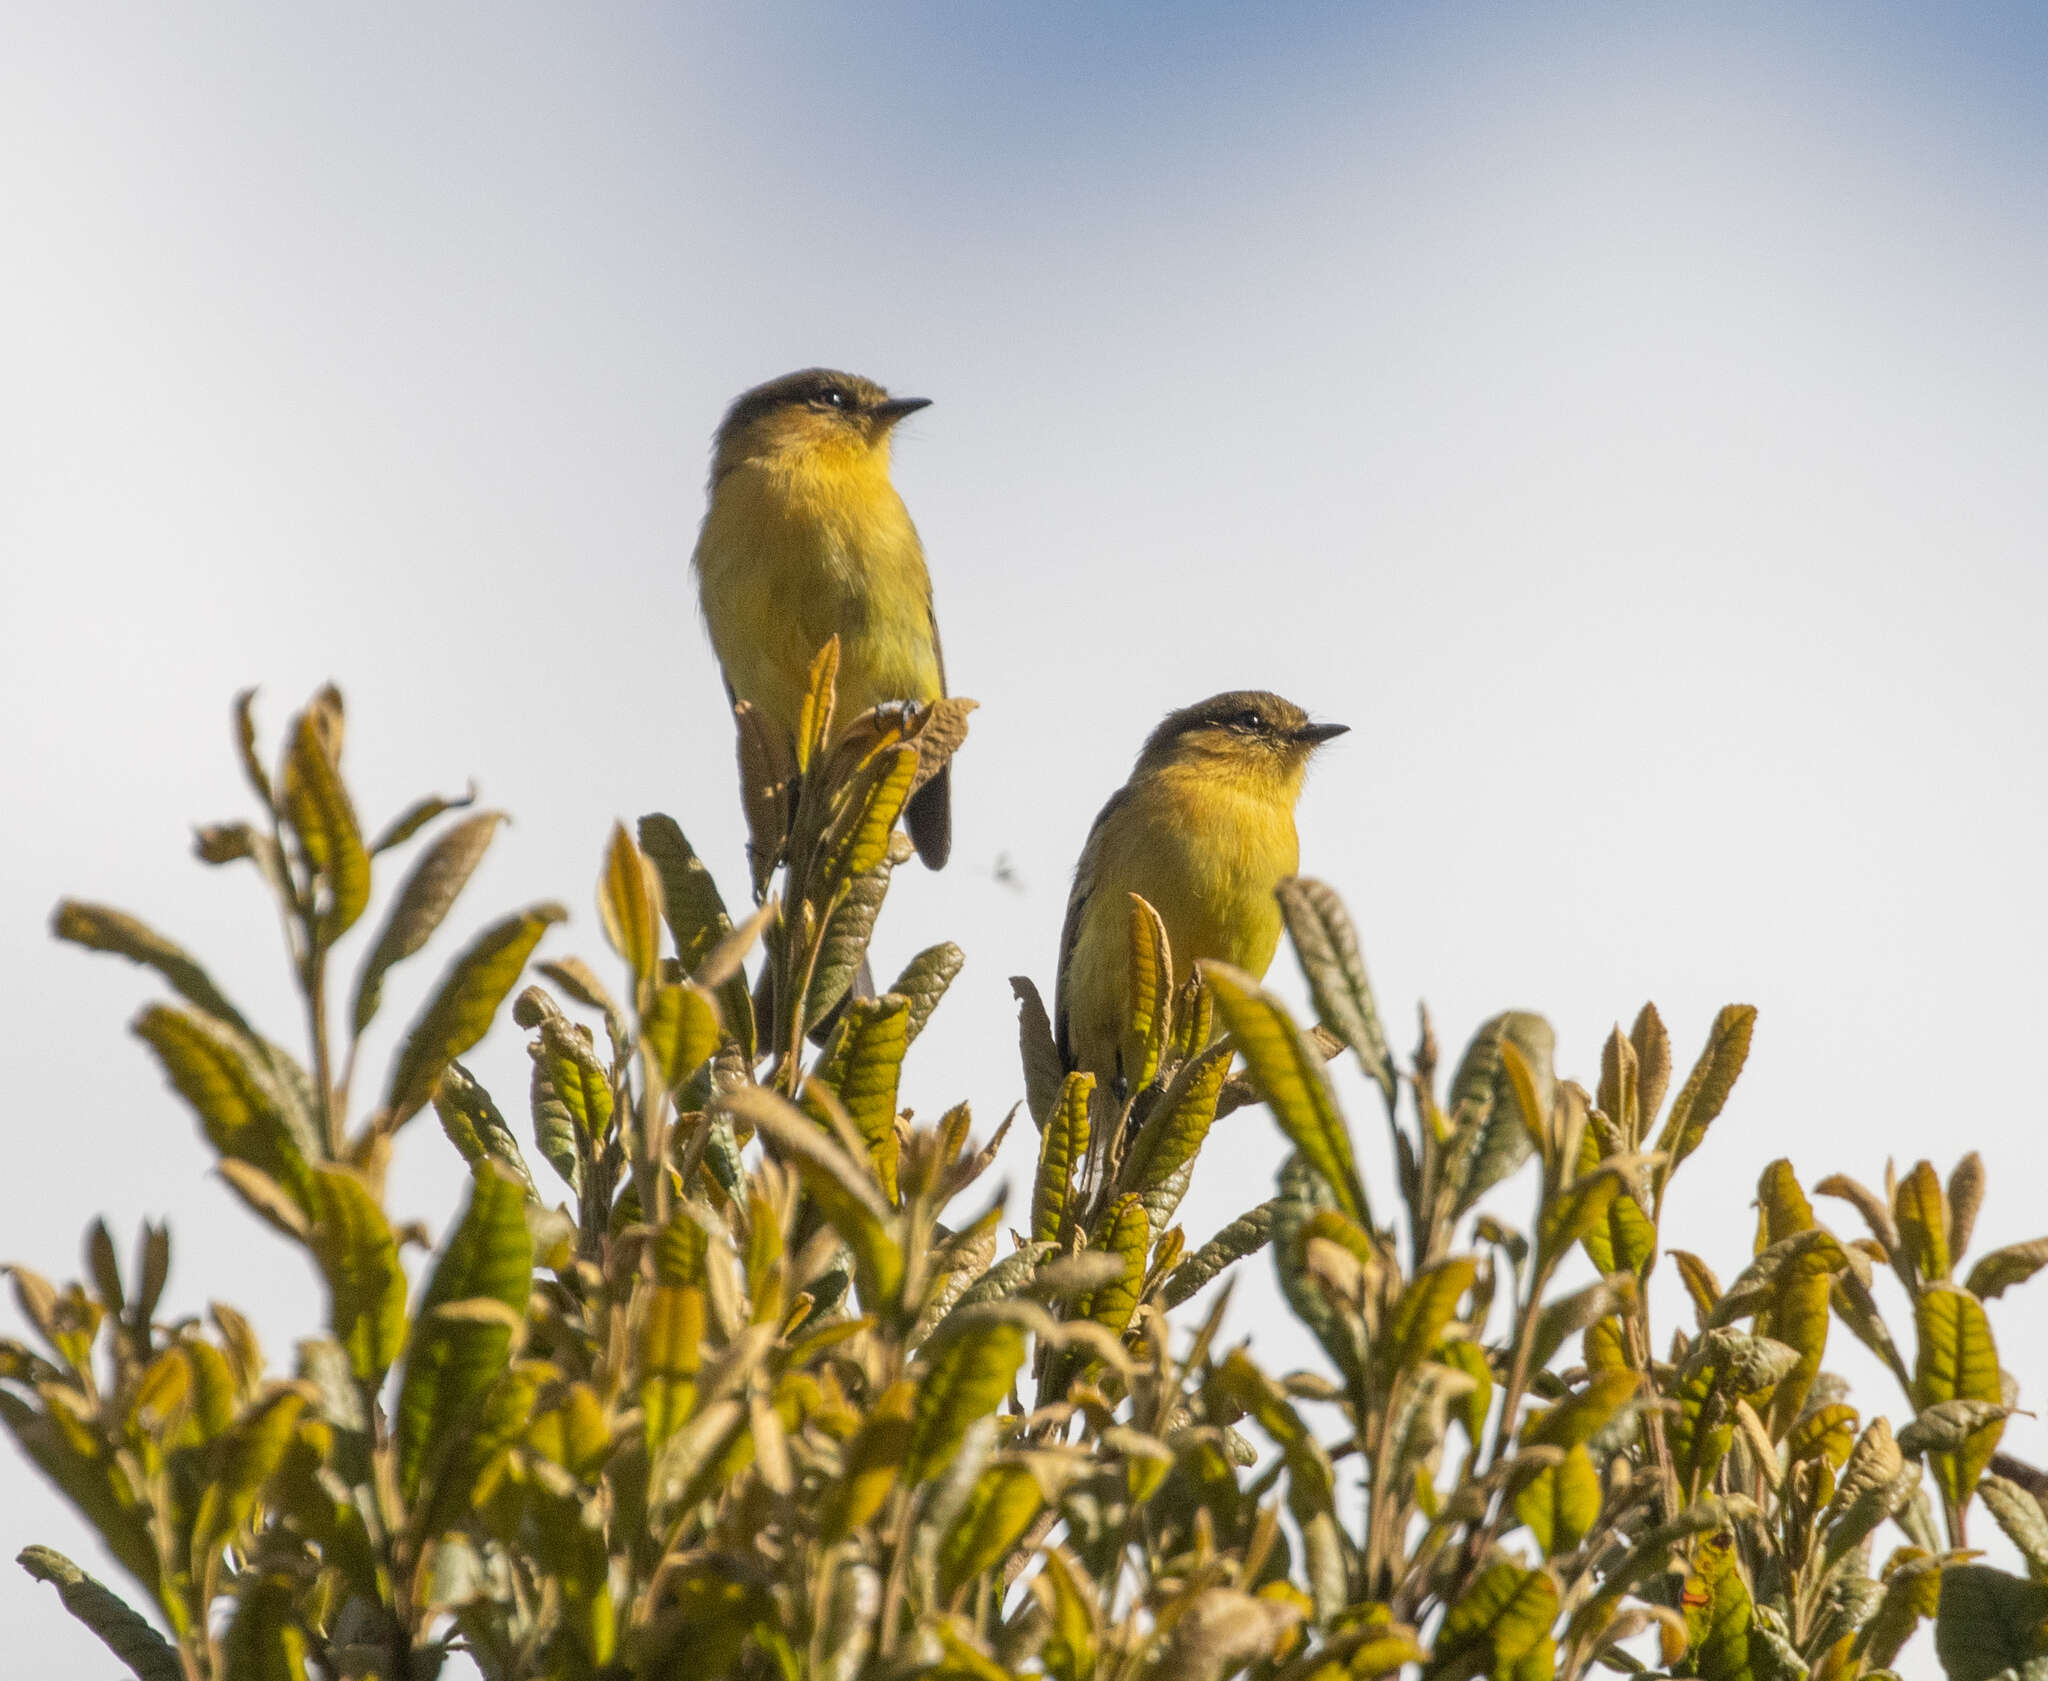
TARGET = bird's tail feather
x,y
928,819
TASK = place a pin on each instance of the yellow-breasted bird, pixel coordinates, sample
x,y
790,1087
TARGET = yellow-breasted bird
x,y
805,537
1204,831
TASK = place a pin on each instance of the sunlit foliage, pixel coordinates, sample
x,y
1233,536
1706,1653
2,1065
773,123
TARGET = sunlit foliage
x,y
748,1377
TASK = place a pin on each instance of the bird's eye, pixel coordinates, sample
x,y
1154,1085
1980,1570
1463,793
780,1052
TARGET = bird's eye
x,y
1247,721
831,399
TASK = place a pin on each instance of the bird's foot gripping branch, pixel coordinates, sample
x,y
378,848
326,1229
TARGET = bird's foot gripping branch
x,y
743,1390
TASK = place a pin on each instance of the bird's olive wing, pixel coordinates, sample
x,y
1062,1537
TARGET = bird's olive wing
x,y
1070,931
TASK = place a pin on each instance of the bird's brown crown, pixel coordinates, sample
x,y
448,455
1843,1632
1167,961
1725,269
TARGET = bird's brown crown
x,y
1245,724
815,409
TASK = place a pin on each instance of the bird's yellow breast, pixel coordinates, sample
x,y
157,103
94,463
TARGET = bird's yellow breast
x,y
1206,849
795,551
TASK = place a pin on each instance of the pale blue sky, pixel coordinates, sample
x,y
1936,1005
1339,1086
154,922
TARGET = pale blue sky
x,y
1630,421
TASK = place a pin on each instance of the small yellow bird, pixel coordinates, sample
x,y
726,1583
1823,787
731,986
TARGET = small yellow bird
x,y
805,537
1204,831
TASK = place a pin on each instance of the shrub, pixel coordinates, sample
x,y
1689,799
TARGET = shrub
x,y
758,1396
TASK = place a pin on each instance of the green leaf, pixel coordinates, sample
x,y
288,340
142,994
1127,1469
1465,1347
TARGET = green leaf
x,y
843,1189
576,978
463,1007
1720,1368
1826,1432
681,1032
1561,1503
1965,1197
1631,1236
1957,1361
1999,1271
1125,1233
1423,1311
1875,1482
1502,1617
1921,1213
1492,1136
1311,1484
1857,1308
695,910
628,893
422,905
417,816
924,981
555,1133
229,843
580,1082
966,1374
1705,1092
1043,1071
452,1361
697,918
1166,1145
1469,1409
1782,1203
1946,1427
1291,1079
2023,1519
1148,995
1012,1273
814,711
681,1252
767,785
848,929
870,1465
245,746
315,803
1062,1147
1566,1316
243,1461
1581,1415
858,838
1912,1593
1303,1195
105,1267
861,1067
1076,1619
1574,1210
474,1125
123,1631
671,1355
102,928
1799,1318
79,1463
153,1268
1989,1623
265,1640
1193,1022
366,1286
1721,1644
999,1509
240,1106
1652,1046
1327,946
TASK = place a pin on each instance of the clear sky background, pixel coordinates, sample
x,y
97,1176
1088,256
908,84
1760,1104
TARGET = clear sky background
x,y
1630,419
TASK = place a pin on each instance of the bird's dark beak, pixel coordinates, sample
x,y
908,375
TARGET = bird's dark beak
x,y
897,407
1316,734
